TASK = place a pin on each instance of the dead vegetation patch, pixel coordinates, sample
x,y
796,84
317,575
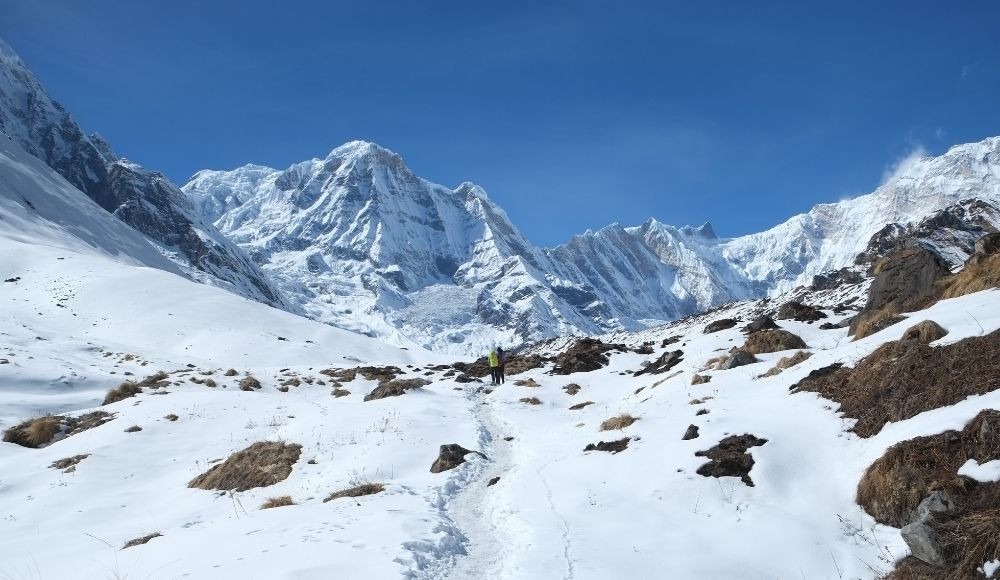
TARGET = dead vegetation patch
x,y
618,422
729,458
339,392
904,378
395,388
357,491
262,464
869,323
123,391
572,389
249,383
34,433
579,406
612,447
787,362
765,341
700,379
141,541
276,502
585,355
68,464
531,400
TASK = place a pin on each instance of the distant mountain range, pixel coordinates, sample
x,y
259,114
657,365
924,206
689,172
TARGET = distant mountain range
x,y
356,240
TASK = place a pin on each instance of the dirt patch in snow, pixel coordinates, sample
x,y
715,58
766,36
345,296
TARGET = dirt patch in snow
x,y
729,458
262,464
787,362
903,378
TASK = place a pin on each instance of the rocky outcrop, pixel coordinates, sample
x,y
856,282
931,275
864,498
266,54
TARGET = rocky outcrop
x,y
798,311
729,458
664,363
721,324
450,456
584,355
762,322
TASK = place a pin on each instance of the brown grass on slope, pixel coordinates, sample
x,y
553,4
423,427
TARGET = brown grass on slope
x,y
262,464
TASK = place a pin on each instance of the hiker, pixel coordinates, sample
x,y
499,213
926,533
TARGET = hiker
x,y
494,365
502,359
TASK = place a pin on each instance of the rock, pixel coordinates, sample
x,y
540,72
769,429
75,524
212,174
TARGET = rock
x,y
691,433
721,324
609,446
795,310
988,244
772,341
729,458
935,503
905,280
762,322
924,332
585,355
700,379
667,361
451,456
572,389
924,543
737,359
836,279
493,481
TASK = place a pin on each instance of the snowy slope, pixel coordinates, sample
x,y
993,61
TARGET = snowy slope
x,y
143,199
356,239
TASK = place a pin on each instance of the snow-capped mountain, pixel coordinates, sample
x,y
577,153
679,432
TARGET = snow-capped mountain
x,y
359,241
143,199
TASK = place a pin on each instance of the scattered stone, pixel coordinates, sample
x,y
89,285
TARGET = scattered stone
x,y
721,324
737,359
531,400
670,340
690,433
231,373
762,322
924,543
171,417
579,406
667,361
451,456
610,446
493,481
701,412
700,379
729,458
133,429
800,312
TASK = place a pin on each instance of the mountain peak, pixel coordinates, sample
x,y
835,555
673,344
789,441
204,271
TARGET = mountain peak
x,y
703,231
358,148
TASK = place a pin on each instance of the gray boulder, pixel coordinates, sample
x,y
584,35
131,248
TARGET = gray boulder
x,y
924,543
737,359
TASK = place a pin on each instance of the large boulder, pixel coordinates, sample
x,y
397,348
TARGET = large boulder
x,y
721,324
450,456
924,543
762,322
667,361
800,312
737,359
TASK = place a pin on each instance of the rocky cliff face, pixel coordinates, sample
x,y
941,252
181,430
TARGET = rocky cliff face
x,y
143,199
359,241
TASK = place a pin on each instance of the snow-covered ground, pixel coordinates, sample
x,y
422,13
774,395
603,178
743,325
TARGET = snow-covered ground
x,y
87,307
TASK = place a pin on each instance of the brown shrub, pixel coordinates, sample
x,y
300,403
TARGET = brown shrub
x,y
715,363
275,502
764,341
155,381
357,491
121,392
262,464
531,400
33,433
141,541
618,422
902,379
926,332
572,389
249,383
907,472
868,323
210,383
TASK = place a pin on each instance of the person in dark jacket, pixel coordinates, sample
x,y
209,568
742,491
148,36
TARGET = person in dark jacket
x,y
502,359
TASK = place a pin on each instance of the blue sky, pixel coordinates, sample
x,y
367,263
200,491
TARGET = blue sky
x,y
572,115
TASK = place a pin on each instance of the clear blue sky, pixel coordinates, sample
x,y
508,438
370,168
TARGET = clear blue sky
x,y
572,115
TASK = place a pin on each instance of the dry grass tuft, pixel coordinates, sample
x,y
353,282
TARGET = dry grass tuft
x,y
275,502
764,341
338,392
926,332
871,322
977,275
357,491
249,383
33,433
531,400
141,541
618,422
529,382
787,362
700,379
901,379
69,463
262,464
231,373
121,392
572,389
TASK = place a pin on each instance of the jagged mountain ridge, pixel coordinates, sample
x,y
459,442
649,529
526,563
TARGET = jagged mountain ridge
x,y
356,239
145,200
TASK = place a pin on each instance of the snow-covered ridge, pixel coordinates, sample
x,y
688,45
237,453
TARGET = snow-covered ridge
x,y
145,200
358,240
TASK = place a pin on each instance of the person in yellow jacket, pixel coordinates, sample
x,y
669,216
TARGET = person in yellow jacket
x,y
494,365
